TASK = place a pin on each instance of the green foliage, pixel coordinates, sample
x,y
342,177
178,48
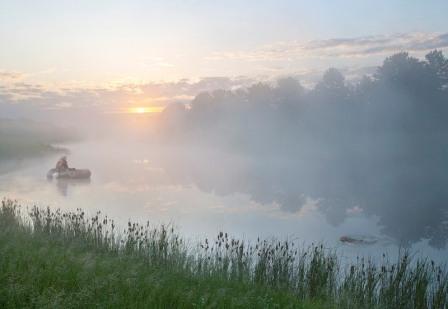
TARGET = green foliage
x,y
25,138
67,259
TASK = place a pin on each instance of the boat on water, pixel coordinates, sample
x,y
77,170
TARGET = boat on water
x,y
358,240
71,173
62,171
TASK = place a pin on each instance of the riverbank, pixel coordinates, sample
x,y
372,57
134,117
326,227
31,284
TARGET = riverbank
x,y
13,150
68,259
22,139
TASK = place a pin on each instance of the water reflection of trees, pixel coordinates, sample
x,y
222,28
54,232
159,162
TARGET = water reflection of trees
x,y
378,144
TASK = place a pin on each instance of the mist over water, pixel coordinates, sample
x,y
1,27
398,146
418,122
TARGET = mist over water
x,y
367,160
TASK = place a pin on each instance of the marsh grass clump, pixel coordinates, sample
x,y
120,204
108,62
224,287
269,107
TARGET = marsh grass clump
x,y
157,245
300,275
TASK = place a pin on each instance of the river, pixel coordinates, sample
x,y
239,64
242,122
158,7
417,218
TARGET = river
x,y
203,192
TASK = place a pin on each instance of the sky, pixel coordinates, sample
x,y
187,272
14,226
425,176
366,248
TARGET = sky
x,y
67,53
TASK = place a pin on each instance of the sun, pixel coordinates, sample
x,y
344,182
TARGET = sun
x,y
145,110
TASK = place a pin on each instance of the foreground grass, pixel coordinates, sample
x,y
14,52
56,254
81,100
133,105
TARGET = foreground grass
x,y
40,273
55,259
39,269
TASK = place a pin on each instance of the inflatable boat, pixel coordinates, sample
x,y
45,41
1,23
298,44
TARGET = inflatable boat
x,y
358,240
71,173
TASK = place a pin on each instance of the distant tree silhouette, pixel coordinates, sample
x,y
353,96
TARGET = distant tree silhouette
x,y
438,65
379,144
332,84
288,89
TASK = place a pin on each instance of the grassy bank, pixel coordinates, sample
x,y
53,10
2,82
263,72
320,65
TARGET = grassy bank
x,y
20,138
67,259
21,149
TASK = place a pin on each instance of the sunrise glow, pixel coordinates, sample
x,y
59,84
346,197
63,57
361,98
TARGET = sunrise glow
x,y
189,153
145,109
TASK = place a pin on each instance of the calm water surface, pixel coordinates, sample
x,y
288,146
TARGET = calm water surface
x,y
203,192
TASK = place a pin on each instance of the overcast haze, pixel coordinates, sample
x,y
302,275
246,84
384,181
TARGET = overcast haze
x,y
278,112
62,54
249,153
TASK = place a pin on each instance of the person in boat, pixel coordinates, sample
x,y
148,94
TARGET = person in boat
x,y
62,165
63,171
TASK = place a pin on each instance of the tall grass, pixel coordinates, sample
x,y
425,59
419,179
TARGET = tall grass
x,y
310,274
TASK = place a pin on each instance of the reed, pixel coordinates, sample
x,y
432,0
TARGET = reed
x,y
273,273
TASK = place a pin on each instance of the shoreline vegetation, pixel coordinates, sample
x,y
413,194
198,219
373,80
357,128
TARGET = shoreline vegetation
x,y
53,258
9,150
23,138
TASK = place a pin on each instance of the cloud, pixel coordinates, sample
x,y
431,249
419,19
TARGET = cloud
x,y
373,45
22,99
9,76
18,95
339,47
156,62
